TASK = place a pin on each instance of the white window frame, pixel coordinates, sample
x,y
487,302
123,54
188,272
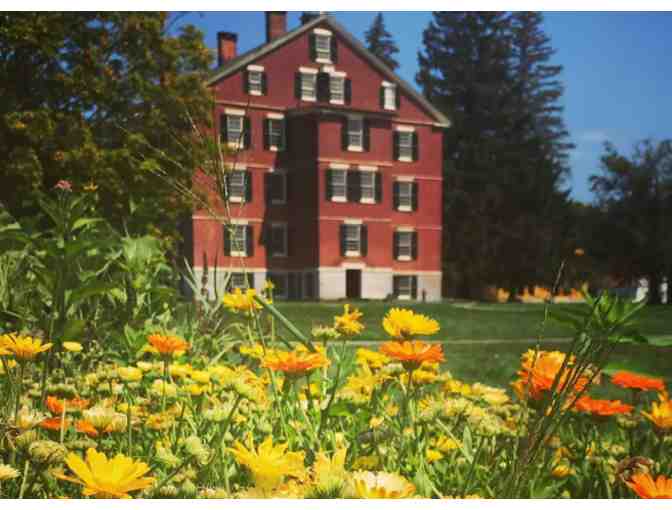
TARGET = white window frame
x,y
277,121
409,195
256,71
408,135
368,186
238,231
321,55
235,275
285,284
409,279
308,77
277,227
237,198
389,96
344,196
356,239
337,78
283,176
238,141
354,133
407,245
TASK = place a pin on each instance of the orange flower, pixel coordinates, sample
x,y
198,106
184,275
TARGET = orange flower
x,y
167,344
646,488
295,362
601,407
56,406
413,353
637,382
87,428
537,375
54,424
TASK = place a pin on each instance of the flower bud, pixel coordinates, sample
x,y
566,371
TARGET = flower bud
x,y
47,452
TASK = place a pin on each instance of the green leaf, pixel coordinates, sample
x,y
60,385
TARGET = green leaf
x,y
83,222
73,329
660,342
88,291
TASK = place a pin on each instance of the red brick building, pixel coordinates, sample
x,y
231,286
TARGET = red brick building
x,y
336,190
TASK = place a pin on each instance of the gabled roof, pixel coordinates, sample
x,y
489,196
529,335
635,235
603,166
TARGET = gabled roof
x,y
246,58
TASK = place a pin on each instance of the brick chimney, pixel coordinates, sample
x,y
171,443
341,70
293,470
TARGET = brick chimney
x,y
276,24
226,47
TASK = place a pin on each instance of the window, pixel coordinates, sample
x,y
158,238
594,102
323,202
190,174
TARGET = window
x,y
355,133
237,185
275,132
367,183
352,240
279,280
405,196
323,46
240,281
405,286
235,127
337,185
405,145
277,187
389,96
337,89
278,239
404,248
238,241
255,80
308,86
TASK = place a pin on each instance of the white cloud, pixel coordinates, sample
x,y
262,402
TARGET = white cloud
x,y
593,136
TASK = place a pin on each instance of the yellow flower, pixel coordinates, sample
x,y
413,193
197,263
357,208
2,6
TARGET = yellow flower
x,y
167,344
237,301
129,374
366,462
269,285
255,351
561,470
296,362
10,364
445,444
28,418
200,376
493,396
269,464
348,323
330,472
402,323
159,387
382,485
90,186
103,478
661,413
455,386
179,370
72,346
376,422
105,419
374,360
433,455
23,347
7,472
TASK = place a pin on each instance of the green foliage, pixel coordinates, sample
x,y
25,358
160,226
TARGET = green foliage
x,y
380,42
84,93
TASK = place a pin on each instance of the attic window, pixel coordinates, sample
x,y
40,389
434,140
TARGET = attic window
x,y
389,96
255,80
322,41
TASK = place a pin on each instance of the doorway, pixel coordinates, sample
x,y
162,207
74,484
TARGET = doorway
x,y
353,283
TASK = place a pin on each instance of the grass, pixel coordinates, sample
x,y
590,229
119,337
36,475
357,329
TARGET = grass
x,y
465,321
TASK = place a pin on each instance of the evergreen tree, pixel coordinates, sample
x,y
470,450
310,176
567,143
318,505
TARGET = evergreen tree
x,y
505,211
82,96
380,42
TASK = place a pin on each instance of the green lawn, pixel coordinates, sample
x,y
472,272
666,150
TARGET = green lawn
x,y
469,321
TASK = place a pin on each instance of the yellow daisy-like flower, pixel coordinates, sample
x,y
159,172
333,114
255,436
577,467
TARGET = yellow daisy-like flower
x,y
433,455
7,472
239,301
296,362
403,324
103,478
10,364
129,374
661,412
446,444
348,323
24,348
90,186
374,360
381,485
330,472
72,346
269,464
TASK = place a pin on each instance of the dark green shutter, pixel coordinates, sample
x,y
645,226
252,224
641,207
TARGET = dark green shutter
x,y
344,134
248,186
264,83
378,180
353,187
395,195
414,245
329,184
395,286
247,126
366,129
312,50
395,145
363,240
414,196
414,287
297,85
223,129
395,245
348,90
397,97
381,97
246,81
342,239
249,238
416,147
227,240
334,49
267,133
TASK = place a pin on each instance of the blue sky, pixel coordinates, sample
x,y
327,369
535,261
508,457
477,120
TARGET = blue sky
x,y
617,72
